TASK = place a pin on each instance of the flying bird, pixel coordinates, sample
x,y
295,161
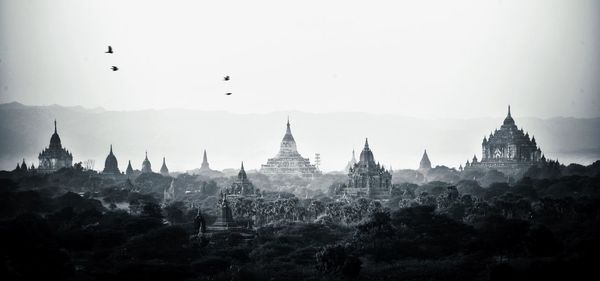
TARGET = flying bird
x,y
226,78
110,51
114,68
228,94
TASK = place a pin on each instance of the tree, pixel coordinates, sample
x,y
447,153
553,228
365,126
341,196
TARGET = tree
x,y
174,213
315,208
152,210
541,242
334,259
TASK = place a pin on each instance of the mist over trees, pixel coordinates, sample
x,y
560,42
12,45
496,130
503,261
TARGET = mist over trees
x,y
182,135
76,224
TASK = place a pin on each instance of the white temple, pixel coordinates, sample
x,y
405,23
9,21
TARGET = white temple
x,y
288,162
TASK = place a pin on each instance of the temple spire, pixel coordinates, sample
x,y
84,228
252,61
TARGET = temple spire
x,y
111,149
425,163
288,131
366,143
55,131
509,120
205,166
163,169
129,170
288,144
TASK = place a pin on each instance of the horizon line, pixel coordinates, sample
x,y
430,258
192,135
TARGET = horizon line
x,y
282,112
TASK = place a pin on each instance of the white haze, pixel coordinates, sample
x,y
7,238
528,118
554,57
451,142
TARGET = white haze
x,y
426,59
182,135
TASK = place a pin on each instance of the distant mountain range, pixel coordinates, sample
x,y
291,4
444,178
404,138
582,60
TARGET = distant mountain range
x,y
181,135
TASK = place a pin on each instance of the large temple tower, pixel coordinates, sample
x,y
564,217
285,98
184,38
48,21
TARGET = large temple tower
x,y
368,178
55,156
111,166
288,162
508,149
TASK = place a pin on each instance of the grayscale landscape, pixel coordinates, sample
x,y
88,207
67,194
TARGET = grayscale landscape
x,y
251,140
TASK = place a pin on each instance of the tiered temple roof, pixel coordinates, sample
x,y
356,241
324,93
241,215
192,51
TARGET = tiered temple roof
x,y
146,165
288,162
507,149
242,185
368,178
163,169
55,156
111,166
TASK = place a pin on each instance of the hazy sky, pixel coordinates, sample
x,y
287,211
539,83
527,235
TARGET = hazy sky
x,y
417,58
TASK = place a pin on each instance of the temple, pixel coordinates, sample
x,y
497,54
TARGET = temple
x,y
288,162
129,170
224,220
55,156
508,150
368,178
169,194
23,167
425,164
146,166
163,169
242,186
205,166
111,166
350,163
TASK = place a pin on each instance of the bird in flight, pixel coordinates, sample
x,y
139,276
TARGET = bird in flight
x,y
226,78
114,68
228,94
110,51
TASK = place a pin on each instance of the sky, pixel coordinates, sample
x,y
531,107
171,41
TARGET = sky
x,y
426,59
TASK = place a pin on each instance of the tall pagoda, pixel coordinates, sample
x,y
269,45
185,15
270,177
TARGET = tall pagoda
x,y
368,178
508,149
55,156
288,162
111,166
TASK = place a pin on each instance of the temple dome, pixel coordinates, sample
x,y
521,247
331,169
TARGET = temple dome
x,y
288,144
55,139
508,121
146,166
242,174
163,169
366,155
425,163
111,165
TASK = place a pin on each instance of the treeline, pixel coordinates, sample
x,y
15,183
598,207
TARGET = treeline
x,y
535,228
